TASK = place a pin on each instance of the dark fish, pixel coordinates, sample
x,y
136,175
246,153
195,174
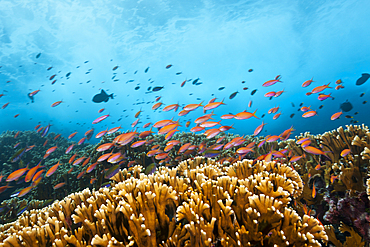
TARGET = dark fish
x,y
292,115
198,83
271,97
195,81
301,104
292,104
362,94
364,102
38,55
149,88
150,169
263,115
221,88
86,61
168,66
31,97
115,67
18,155
320,107
199,99
254,91
102,96
210,153
129,81
243,82
135,72
355,121
355,113
245,88
178,73
137,88
362,79
146,70
45,130
68,74
346,106
348,116
50,68
156,89
250,70
233,95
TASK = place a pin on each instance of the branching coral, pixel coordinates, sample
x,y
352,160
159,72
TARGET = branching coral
x,y
239,204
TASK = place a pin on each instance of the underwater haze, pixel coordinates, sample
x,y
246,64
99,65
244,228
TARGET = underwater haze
x,y
184,52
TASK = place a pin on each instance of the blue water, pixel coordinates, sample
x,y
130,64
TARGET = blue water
x,y
216,41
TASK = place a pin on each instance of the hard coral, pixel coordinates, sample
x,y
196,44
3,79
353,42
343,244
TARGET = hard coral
x,y
198,203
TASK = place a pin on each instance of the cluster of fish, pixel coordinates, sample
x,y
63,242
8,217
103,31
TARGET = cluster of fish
x,y
173,150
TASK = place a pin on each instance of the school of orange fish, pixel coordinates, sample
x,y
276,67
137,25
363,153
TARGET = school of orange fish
x,y
167,153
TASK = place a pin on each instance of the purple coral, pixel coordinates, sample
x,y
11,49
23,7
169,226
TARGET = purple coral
x,y
352,211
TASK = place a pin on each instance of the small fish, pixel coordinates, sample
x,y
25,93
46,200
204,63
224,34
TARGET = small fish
x,y
57,186
309,114
115,67
362,79
313,191
221,88
56,103
361,95
364,102
102,97
156,89
168,66
233,95
146,70
99,119
348,116
245,88
183,83
321,106
254,91
292,115
250,70
38,55
72,135
137,87
345,152
307,83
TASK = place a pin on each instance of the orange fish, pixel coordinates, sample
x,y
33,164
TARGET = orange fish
x,y
37,175
213,105
5,105
91,167
309,114
170,134
315,151
245,115
56,103
307,83
171,107
227,116
31,172
259,129
72,135
276,116
138,113
57,186
192,107
313,191
339,87
25,191
336,115
16,174
345,152
113,130
333,178
168,128
52,170
183,113
156,105
320,88
78,161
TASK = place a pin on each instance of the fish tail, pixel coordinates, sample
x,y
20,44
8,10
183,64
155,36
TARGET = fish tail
x,y
254,114
111,95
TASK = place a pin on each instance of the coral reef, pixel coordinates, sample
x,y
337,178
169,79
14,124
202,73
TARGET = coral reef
x,y
198,203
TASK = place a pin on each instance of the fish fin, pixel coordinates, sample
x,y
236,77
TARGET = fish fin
x,y
111,96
